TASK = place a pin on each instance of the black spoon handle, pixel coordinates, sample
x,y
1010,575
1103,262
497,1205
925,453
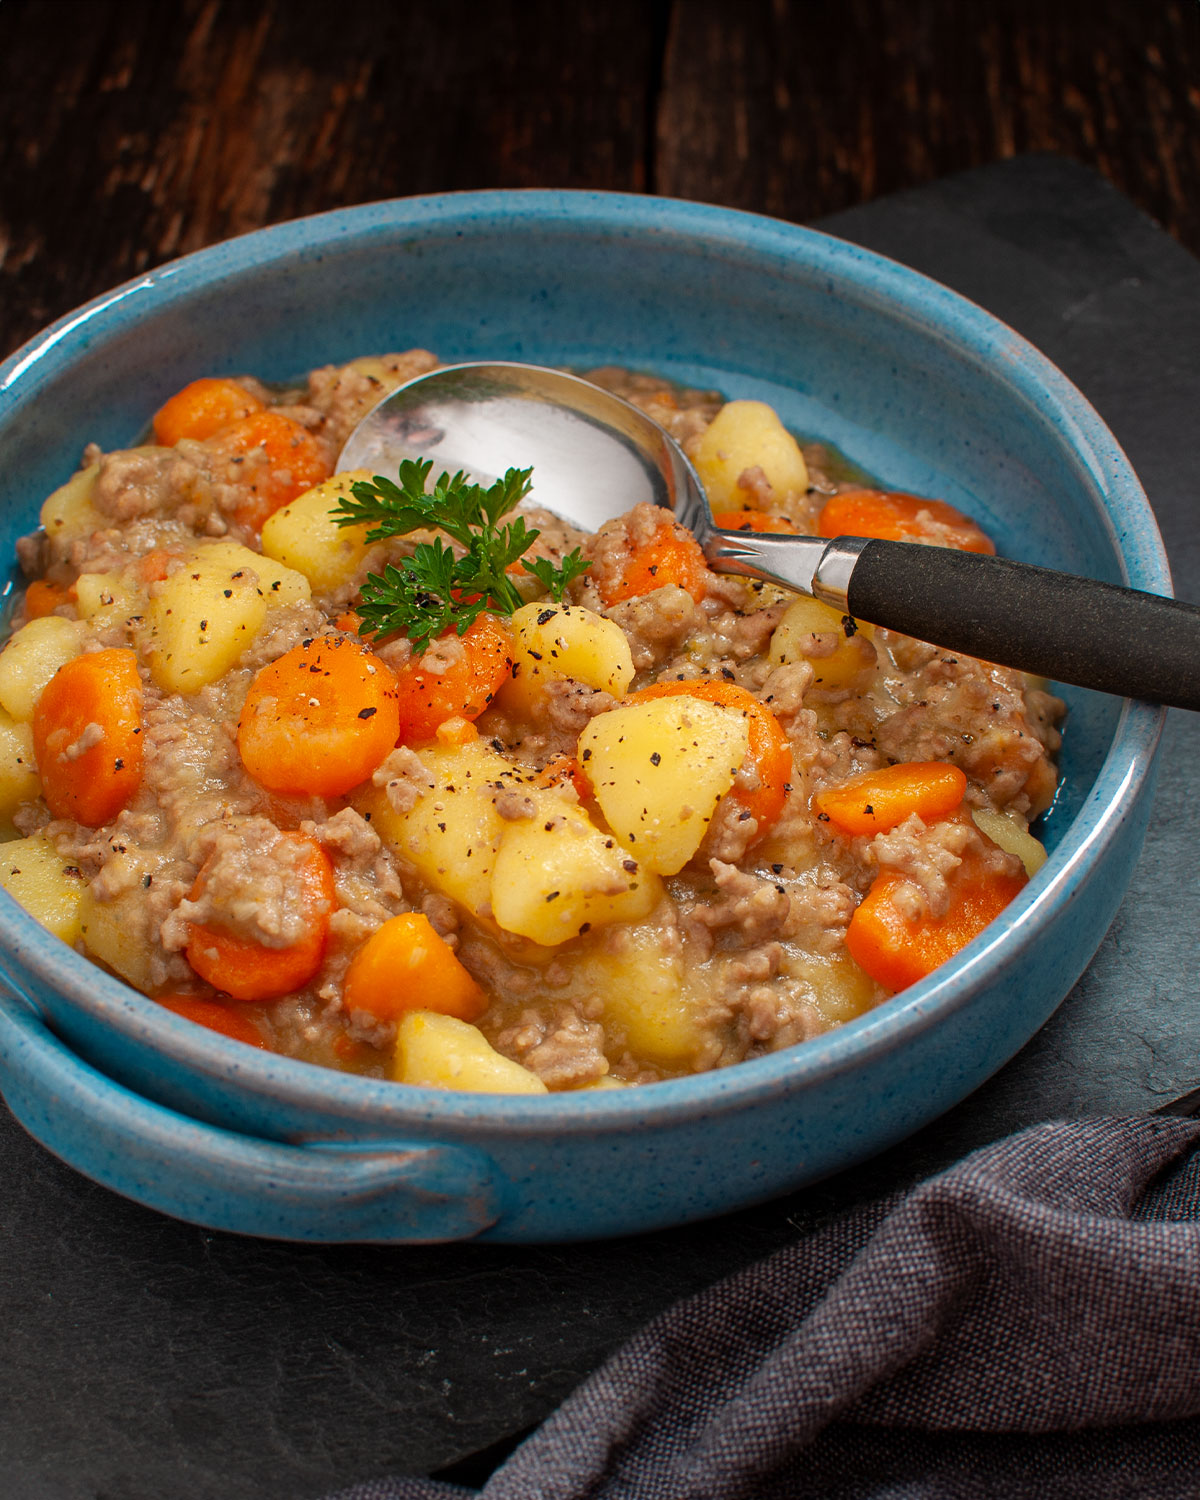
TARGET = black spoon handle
x,y
1057,625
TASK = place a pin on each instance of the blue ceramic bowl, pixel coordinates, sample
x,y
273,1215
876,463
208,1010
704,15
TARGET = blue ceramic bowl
x,y
912,382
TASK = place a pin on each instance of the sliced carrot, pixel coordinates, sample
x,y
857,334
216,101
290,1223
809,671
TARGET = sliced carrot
x,y
896,950
271,458
43,598
752,520
152,566
216,1016
895,517
201,409
562,769
406,965
876,801
770,749
456,731
320,719
463,690
672,555
87,736
250,970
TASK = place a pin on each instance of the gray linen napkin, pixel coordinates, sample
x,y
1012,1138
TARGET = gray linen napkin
x,y
1024,1324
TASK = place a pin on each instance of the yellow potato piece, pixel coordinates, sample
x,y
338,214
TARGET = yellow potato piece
x,y
34,873
302,535
18,768
202,618
555,876
69,512
111,932
554,641
1012,835
840,989
452,833
646,1004
30,660
658,770
747,435
108,599
793,641
440,1052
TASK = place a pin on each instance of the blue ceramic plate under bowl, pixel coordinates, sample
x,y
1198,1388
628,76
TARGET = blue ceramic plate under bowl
x,y
913,383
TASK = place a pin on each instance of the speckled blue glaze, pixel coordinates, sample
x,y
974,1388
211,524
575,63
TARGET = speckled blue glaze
x,y
914,383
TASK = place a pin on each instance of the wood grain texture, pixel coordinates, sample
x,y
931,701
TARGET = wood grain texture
x,y
131,131
804,107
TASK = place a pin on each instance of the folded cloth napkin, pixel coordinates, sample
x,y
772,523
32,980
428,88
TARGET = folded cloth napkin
x,y
1024,1324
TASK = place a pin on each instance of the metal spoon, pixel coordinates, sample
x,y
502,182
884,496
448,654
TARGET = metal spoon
x,y
594,456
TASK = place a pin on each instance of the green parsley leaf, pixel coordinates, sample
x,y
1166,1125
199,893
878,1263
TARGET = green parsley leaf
x,y
439,588
557,580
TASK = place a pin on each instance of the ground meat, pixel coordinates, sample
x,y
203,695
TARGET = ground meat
x,y
248,886
144,482
344,394
514,806
561,1047
405,779
927,855
655,624
347,834
975,715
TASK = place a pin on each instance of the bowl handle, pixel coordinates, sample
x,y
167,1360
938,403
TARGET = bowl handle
x,y
390,1192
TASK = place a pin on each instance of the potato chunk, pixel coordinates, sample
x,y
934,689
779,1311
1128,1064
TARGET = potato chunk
x,y
556,876
204,615
113,932
34,873
742,437
659,769
30,660
18,766
554,641
69,512
440,1052
302,535
640,981
452,833
819,634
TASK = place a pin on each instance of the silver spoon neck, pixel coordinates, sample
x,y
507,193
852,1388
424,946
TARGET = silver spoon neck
x,y
805,564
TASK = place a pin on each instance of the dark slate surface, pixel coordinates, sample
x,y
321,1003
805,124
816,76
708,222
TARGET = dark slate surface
x,y
142,1357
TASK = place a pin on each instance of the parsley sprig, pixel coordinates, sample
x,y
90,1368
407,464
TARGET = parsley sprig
x,y
437,589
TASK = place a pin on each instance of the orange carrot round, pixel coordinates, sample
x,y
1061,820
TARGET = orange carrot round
x,y
201,409
406,965
770,749
87,736
427,698
752,520
216,1016
250,970
896,950
320,719
876,801
271,458
672,555
892,516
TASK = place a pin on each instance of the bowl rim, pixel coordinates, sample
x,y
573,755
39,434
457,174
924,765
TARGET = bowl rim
x,y
877,281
